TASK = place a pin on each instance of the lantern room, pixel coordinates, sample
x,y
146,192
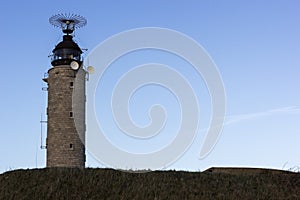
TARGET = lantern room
x,y
65,52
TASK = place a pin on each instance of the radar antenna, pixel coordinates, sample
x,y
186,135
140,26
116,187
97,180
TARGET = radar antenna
x,y
67,22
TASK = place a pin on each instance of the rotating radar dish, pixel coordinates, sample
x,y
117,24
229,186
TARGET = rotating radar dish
x,y
67,22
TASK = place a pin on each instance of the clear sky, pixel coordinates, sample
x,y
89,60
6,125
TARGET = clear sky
x,y
254,44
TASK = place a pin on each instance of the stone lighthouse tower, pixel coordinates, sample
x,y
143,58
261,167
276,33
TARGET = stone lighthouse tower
x,y
66,98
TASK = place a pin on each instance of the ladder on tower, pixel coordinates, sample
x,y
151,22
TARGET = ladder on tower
x,y
42,146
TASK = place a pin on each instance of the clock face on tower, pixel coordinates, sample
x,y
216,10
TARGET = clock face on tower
x,y
74,65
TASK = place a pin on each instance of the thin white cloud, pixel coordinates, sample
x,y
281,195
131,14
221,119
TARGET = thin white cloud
x,y
278,111
233,119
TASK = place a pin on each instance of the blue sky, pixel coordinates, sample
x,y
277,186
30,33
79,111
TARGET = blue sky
x,y
255,45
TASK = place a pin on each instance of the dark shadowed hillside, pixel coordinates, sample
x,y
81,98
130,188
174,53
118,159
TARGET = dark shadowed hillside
x,y
215,183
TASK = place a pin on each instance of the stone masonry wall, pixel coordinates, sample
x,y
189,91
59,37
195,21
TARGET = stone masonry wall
x,y
64,146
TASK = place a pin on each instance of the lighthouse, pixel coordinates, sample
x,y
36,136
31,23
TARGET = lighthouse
x,y
66,97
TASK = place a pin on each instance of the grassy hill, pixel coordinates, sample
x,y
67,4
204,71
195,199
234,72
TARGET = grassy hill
x,y
215,183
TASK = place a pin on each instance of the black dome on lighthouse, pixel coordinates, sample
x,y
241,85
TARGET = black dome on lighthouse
x,y
67,43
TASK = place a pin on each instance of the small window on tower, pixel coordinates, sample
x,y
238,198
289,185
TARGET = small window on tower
x,y
71,84
71,146
71,114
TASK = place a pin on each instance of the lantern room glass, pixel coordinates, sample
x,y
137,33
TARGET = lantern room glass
x,y
62,54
